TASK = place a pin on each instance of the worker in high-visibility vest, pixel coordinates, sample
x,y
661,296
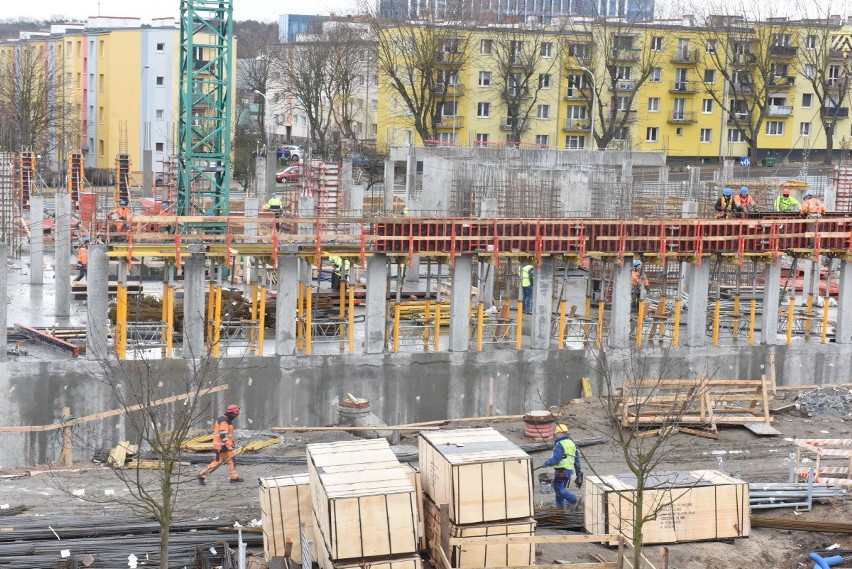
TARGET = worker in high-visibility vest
x,y
274,205
565,462
339,270
224,445
785,203
725,204
82,260
744,204
526,286
812,206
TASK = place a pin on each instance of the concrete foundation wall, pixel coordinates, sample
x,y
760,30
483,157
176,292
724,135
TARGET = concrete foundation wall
x,y
275,391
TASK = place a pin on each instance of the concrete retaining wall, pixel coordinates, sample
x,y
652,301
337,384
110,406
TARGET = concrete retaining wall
x,y
402,387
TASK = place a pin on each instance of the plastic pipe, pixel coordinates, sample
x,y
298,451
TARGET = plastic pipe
x,y
825,562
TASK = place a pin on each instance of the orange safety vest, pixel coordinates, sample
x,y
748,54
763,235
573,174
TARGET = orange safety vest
x,y
83,256
223,434
123,212
746,202
812,206
634,278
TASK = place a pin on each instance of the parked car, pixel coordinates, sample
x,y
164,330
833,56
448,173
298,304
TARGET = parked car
x,y
288,176
291,152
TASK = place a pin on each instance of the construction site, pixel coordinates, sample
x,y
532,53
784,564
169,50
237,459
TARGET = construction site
x,y
405,355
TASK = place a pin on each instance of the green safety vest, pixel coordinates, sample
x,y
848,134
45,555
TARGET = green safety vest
x,y
341,263
570,450
786,204
526,279
405,211
275,204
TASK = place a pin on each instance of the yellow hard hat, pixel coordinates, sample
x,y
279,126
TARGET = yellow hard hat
x,y
561,428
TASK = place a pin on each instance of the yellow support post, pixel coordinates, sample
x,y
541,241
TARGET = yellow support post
x,y
560,340
309,331
217,323
300,315
437,343
480,326
752,320
790,316
121,322
351,314
252,335
717,313
599,342
676,331
588,314
427,310
736,318
164,314
520,328
396,310
809,316
824,332
640,323
342,300
261,322
211,292
170,322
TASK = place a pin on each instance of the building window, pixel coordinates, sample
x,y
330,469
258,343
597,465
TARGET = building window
x,y
449,108
161,48
679,131
621,133
710,46
541,139
160,81
811,42
79,80
707,106
100,115
656,43
102,48
622,103
546,49
447,137
79,49
810,70
100,147
656,75
579,50
482,139
159,146
774,128
159,113
544,80
807,100
736,135
709,76
483,110
575,142
625,72
485,46
484,78
654,105
651,134
69,49
706,135
101,83
543,112
805,129
374,105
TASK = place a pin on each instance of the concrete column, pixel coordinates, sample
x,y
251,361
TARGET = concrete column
x,y
97,303
261,191
460,304
194,307
410,177
389,171
696,313
147,166
542,304
62,255
486,284
375,304
843,330
412,271
771,298
251,207
619,320
285,306
807,268
36,240
4,294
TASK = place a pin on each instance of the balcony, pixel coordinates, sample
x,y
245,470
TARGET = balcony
x,y
683,117
623,116
454,122
509,124
684,87
779,111
782,81
744,59
834,83
742,88
577,125
686,57
782,51
625,85
578,94
837,112
738,119
628,55
518,93
450,89
449,58
836,55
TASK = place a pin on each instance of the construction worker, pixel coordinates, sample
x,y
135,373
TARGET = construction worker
x,y
565,462
82,260
636,282
339,271
744,204
725,204
120,215
274,205
786,203
812,206
223,445
405,212
526,286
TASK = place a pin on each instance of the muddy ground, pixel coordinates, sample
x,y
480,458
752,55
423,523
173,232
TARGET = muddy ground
x,y
93,490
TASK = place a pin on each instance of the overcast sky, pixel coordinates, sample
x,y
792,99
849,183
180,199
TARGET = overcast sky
x,y
270,9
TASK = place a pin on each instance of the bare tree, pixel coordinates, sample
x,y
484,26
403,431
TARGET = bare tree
x,y
526,58
755,59
612,50
827,71
257,42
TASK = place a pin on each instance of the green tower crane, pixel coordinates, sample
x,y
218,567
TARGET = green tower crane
x,y
206,97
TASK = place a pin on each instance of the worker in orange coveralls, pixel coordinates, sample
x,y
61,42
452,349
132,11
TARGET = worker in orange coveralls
x,y
223,444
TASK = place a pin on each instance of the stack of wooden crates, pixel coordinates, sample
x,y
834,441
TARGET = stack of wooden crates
x,y
285,504
485,481
365,506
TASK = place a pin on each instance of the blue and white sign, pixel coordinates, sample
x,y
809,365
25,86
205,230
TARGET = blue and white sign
x,y
745,162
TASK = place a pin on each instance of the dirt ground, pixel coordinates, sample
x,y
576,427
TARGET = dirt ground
x,y
93,490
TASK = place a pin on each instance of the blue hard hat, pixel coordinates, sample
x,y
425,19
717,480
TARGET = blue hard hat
x,y
727,191
744,190
637,263
85,239
122,202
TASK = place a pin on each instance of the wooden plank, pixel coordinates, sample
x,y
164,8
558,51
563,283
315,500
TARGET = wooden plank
x,y
150,464
48,339
762,429
285,503
698,433
344,429
533,539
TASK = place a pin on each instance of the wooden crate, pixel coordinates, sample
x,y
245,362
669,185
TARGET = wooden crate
x,y
414,476
694,506
478,473
285,502
364,502
470,555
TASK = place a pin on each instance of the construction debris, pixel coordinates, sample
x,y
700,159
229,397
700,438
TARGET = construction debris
x,y
800,525
827,403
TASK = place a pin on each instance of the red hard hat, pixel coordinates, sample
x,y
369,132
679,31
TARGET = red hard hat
x,y
233,409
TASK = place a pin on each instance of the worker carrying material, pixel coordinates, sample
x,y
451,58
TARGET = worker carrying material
x,y
82,260
785,203
725,204
565,462
274,205
223,445
744,204
812,206
527,287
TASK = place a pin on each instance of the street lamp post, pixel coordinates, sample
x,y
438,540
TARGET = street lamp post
x,y
592,107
